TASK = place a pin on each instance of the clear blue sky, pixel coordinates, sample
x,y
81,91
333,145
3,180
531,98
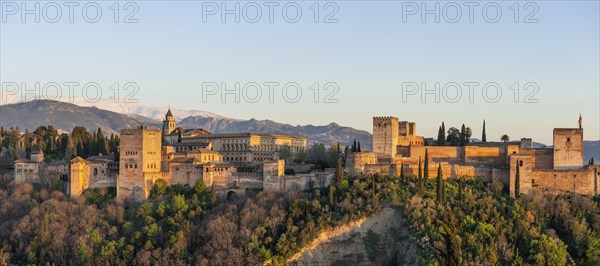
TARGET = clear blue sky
x,y
370,52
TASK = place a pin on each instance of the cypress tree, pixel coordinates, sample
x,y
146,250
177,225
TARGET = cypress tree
x,y
346,151
420,182
517,181
339,172
443,191
102,145
443,134
483,137
331,196
439,187
460,189
401,171
426,166
440,137
79,149
213,195
358,147
463,135
354,146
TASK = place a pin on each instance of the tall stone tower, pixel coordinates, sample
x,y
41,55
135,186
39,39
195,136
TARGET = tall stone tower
x,y
568,148
139,163
169,123
385,136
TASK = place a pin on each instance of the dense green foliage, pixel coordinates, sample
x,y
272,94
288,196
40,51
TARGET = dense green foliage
x,y
479,224
474,223
54,145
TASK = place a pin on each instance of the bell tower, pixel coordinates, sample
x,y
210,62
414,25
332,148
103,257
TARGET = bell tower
x,y
168,124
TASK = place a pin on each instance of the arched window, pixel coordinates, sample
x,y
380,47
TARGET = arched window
x,y
95,171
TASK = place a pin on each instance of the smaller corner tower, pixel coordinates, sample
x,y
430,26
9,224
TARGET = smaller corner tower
x,y
568,147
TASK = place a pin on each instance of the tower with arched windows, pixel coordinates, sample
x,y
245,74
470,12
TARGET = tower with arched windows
x,y
139,162
169,124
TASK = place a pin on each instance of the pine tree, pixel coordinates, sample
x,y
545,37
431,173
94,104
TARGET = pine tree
x,y
483,137
426,166
439,187
517,181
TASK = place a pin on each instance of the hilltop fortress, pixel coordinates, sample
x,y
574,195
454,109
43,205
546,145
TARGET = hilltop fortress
x,y
560,168
236,161
231,162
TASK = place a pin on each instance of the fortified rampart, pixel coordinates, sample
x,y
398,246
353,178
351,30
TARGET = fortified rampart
x,y
559,168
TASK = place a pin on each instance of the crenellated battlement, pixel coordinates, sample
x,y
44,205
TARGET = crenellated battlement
x,y
136,131
384,120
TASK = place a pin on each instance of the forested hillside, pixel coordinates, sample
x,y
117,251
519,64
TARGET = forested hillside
x,y
454,222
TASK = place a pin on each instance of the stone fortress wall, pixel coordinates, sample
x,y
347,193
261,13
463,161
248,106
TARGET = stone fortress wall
x,y
559,168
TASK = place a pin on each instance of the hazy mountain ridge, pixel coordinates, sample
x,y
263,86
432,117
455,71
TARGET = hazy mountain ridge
x,y
64,116
119,106
591,149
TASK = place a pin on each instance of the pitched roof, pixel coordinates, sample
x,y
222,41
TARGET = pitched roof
x,y
78,159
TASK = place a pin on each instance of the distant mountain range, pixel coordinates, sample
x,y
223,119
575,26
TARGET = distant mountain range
x,y
64,116
148,111
591,149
